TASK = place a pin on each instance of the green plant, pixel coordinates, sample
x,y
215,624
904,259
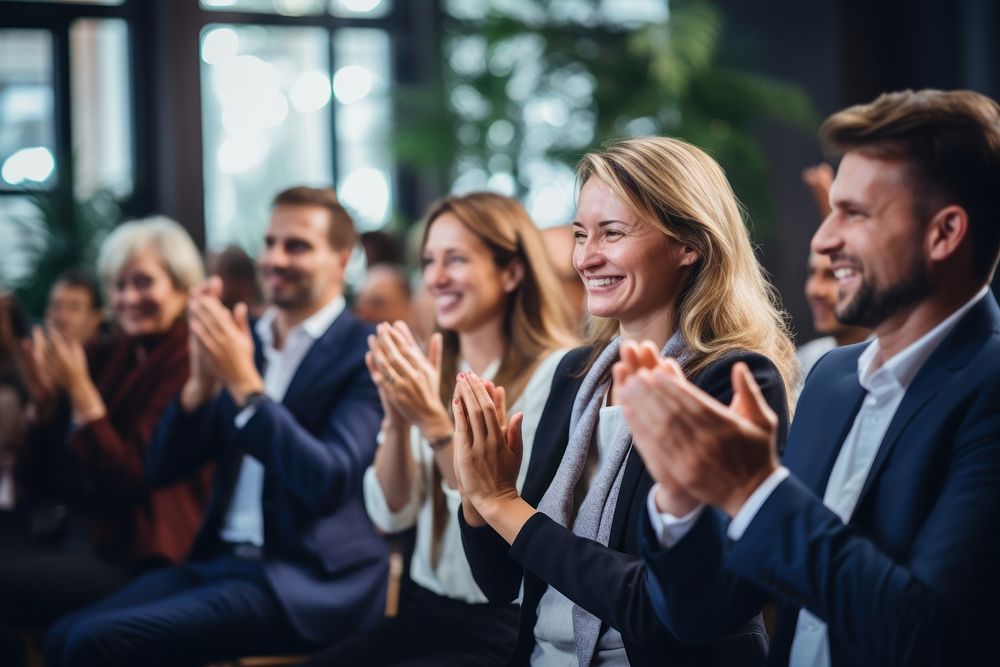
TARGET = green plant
x,y
604,79
63,233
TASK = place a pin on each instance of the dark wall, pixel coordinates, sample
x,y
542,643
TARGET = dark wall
x,y
843,53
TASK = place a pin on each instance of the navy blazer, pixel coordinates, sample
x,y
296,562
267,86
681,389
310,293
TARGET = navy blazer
x,y
322,556
606,581
912,579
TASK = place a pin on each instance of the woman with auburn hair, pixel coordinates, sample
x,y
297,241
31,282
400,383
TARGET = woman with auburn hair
x,y
494,294
666,262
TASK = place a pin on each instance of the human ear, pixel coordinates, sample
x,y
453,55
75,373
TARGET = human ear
x,y
946,231
688,255
512,275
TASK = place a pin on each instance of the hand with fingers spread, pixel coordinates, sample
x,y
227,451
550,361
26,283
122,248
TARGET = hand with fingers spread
x,y
488,456
649,430
225,345
408,380
719,454
203,383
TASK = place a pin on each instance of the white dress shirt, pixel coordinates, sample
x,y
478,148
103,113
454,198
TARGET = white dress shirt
x,y
886,386
451,576
244,521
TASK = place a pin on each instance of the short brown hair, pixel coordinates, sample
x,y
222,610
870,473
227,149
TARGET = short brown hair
x,y
951,142
341,233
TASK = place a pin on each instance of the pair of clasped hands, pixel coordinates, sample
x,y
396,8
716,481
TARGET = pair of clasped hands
x,y
54,363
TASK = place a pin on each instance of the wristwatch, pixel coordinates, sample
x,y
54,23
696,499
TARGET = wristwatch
x,y
252,400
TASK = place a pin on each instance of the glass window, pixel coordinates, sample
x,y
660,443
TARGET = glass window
x,y
283,7
79,2
27,122
364,117
368,9
265,120
22,230
102,114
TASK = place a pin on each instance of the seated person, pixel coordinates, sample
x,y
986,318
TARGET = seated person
x,y
664,257
497,307
238,273
875,532
94,519
286,559
74,306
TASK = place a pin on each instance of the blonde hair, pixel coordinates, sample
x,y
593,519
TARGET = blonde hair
x,y
535,320
178,253
728,303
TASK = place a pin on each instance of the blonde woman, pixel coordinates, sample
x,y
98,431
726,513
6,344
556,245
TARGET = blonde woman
x,y
494,294
664,258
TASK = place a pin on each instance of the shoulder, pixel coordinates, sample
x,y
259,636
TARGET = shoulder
x,y
719,372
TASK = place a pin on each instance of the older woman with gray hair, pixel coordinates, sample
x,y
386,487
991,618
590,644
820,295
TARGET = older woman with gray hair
x,y
113,394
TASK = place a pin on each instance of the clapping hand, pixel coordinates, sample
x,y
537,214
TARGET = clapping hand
x,y
488,451
717,454
224,345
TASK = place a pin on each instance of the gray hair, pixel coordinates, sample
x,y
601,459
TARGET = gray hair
x,y
178,253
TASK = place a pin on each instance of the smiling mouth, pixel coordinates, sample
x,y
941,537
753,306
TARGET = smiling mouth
x,y
446,301
604,281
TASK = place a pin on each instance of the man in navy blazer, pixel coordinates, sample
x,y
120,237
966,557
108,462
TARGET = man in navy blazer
x,y
286,559
877,533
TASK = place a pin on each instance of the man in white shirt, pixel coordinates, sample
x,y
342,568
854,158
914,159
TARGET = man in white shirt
x,y
877,531
287,559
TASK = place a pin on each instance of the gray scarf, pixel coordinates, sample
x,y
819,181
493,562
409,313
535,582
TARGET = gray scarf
x,y
597,511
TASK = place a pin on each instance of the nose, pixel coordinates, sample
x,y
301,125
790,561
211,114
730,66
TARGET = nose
x,y
827,238
587,255
273,256
435,274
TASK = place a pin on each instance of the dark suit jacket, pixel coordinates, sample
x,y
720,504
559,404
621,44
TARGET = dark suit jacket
x,y
606,581
913,578
323,558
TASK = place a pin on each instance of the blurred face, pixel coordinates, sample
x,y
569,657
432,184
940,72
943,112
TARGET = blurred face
x,y
873,241
821,293
631,271
71,312
466,286
382,298
299,267
144,297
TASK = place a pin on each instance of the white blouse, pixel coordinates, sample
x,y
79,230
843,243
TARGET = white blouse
x,y
452,577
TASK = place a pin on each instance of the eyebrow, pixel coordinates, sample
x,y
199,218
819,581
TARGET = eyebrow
x,y
603,223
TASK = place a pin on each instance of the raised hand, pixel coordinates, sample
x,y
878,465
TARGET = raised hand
x,y
409,381
203,382
40,384
67,364
718,454
488,457
225,344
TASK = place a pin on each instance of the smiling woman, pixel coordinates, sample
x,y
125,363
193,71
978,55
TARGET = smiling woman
x,y
115,392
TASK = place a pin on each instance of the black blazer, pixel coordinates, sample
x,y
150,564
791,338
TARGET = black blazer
x,y
607,581
324,560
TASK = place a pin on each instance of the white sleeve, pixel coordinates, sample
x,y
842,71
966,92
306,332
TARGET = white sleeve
x,y
532,402
244,415
375,503
745,515
670,529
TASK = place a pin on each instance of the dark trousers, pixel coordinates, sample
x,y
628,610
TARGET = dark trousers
x,y
431,630
191,614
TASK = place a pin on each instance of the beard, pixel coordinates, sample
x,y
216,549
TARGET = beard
x,y
293,293
872,304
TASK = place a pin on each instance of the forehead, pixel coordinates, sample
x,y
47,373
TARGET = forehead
x,y
145,260
598,203
298,221
869,179
447,232
62,290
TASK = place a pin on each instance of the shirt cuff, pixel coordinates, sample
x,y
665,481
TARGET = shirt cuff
x,y
670,529
752,505
244,415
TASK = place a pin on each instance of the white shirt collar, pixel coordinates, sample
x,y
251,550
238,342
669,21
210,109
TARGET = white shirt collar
x,y
904,366
315,325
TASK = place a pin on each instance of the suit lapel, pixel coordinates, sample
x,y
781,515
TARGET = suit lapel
x,y
951,357
812,459
319,360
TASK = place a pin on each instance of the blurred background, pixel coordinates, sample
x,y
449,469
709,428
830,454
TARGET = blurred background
x,y
204,109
